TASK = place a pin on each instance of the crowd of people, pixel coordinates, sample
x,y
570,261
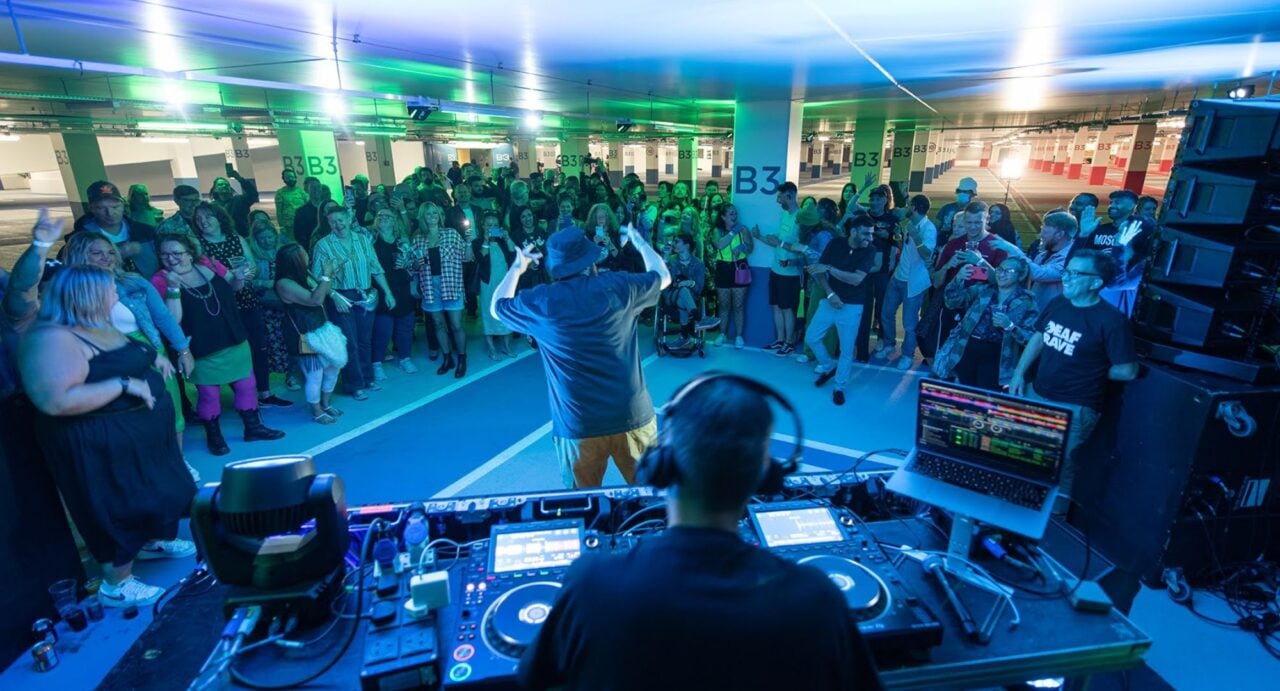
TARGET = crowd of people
x,y
108,330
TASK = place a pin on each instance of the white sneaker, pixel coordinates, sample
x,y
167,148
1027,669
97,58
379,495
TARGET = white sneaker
x,y
166,549
718,341
378,374
883,352
739,343
407,365
905,363
818,369
802,358
130,591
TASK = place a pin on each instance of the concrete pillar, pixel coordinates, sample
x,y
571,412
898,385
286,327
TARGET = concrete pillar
x,y
900,157
806,156
1102,156
984,160
652,159
766,140
717,160
629,158
1169,151
80,164
1135,174
687,163
526,155
352,160
380,160
868,151
315,153
613,161
919,160
1077,154
573,152
930,157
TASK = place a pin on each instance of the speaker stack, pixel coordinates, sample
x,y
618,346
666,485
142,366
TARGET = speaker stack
x,y
1208,297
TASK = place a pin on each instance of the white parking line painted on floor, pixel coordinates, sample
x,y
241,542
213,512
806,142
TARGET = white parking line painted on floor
x,y
410,407
881,458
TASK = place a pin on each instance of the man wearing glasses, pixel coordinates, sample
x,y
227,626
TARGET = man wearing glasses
x,y
1084,341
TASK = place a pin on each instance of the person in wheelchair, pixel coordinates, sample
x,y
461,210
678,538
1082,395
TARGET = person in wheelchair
x,y
679,301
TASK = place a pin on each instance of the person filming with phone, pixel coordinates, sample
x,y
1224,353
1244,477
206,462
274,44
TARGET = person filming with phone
x,y
999,316
585,325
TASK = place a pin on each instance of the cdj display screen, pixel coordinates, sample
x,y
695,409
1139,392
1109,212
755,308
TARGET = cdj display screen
x,y
797,526
535,549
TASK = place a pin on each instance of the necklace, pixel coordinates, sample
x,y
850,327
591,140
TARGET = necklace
x,y
204,297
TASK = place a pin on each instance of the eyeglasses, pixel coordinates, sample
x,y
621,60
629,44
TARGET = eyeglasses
x,y
175,255
1072,273
1009,270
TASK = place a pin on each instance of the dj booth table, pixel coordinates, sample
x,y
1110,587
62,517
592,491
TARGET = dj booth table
x,y
1052,640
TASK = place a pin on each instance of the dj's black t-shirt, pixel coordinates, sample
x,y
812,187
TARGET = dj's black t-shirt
x,y
838,254
1080,345
698,609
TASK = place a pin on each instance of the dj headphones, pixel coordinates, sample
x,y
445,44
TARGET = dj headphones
x,y
657,466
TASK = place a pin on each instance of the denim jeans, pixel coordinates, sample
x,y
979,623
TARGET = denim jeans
x,y
1083,420
845,320
895,295
398,330
875,284
357,326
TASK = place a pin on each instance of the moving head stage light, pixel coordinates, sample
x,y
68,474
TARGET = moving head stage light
x,y
276,532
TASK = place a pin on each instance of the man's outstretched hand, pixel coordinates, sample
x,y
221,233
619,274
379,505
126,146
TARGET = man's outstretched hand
x,y
527,255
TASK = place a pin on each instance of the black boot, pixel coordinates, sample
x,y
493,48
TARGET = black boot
x,y
446,365
213,437
462,367
254,430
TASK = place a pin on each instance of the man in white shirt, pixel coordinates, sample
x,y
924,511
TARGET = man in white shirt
x,y
784,274
909,282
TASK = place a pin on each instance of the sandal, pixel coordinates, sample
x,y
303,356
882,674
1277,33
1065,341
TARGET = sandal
x,y
333,411
360,395
324,419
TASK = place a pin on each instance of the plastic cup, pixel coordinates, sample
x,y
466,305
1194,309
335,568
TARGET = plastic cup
x,y
75,618
63,593
93,608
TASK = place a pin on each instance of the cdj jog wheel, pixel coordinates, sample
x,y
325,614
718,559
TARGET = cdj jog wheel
x,y
513,620
866,593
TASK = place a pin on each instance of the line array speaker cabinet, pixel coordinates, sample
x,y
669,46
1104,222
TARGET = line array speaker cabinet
x,y
1220,131
1208,297
1183,471
1185,258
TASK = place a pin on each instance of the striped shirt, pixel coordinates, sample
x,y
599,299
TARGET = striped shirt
x,y
355,259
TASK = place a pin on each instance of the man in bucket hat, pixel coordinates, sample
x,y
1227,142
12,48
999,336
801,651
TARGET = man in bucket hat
x,y
585,325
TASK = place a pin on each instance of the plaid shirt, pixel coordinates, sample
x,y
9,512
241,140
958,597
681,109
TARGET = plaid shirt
x,y
452,250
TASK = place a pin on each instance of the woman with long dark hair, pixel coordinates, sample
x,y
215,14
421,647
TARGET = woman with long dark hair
x,y
320,348
733,244
999,222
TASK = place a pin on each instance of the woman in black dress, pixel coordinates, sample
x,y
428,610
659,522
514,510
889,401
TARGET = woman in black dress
x,y
106,426
393,324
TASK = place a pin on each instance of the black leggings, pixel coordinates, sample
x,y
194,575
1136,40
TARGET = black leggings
x,y
980,365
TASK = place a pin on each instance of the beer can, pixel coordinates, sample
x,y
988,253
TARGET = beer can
x,y
45,656
43,630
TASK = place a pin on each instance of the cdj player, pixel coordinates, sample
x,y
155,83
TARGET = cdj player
x,y
889,615
504,594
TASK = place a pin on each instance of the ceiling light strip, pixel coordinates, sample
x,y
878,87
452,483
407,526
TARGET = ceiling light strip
x,y
865,55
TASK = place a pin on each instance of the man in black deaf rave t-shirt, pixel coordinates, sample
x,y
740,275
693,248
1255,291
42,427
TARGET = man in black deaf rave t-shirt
x,y
1084,341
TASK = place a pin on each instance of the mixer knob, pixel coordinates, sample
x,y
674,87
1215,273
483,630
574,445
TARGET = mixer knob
x,y
592,542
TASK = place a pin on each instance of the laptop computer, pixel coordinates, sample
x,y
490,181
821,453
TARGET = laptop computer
x,y
989,456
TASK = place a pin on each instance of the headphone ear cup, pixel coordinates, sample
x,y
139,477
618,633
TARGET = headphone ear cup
x,y
657,467
774,479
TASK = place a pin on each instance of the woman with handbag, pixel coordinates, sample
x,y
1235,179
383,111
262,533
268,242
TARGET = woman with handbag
x,y
733,245
321,348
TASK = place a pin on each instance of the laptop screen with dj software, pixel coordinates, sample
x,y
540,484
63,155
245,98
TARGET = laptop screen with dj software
x,y
1007,433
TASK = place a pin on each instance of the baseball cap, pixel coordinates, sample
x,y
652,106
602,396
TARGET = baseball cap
x,y
968,184
1124,193
185,191
103,189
